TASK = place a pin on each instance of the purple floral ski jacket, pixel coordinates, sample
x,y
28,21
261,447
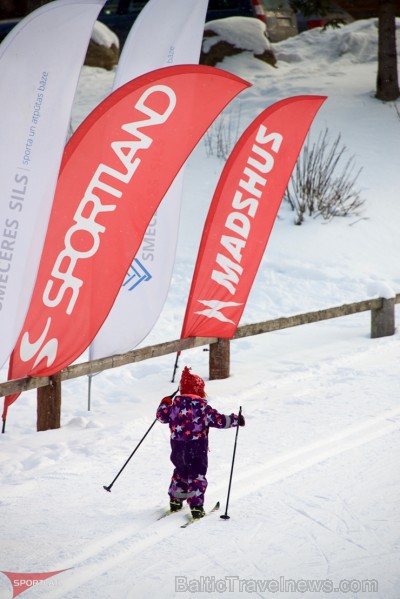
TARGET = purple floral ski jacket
x,y
189,417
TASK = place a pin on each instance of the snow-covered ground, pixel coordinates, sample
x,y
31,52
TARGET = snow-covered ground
x,y
314,508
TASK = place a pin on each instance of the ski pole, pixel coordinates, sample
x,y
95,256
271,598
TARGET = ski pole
x,y
175,366
225,516
108,488
132,454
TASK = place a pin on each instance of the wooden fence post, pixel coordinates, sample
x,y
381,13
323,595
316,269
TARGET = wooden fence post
x,y
383,319
219,360
49,404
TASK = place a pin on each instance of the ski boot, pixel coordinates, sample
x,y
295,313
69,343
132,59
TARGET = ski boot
x,y
197,512
175,505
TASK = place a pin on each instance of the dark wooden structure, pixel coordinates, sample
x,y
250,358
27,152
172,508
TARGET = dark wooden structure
x,y
49,388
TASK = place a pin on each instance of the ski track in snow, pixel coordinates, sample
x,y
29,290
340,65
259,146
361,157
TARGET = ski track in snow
x,y
305,457
124,545
138,535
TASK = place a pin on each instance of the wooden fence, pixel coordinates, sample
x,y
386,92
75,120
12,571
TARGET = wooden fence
x,y
49,388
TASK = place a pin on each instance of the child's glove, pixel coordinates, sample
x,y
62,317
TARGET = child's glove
x,y
241,420
167,401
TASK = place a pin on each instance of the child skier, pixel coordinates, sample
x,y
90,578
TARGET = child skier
x,y
189,417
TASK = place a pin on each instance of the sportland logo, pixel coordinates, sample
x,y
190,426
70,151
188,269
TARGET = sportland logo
x,y
22,581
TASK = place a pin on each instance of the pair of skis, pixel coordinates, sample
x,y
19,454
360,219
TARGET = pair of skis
x,y
191,519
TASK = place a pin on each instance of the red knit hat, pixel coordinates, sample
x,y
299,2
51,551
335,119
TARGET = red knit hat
x,y
191,383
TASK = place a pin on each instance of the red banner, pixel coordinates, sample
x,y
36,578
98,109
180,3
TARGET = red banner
x,y
242,214
116,169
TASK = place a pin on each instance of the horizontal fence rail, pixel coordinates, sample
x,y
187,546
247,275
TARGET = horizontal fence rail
x,y
378,307
293,321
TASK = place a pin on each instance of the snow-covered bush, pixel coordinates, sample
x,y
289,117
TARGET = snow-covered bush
x,y
321,184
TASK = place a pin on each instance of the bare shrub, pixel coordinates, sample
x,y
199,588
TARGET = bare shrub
x,y
222,136
322,184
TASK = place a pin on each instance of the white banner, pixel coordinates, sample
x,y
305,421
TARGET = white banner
x,y
40,63
165,33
